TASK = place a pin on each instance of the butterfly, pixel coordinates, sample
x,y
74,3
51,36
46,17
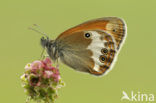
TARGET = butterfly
x,y
91,47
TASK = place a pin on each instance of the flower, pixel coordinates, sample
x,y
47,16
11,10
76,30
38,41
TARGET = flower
x,y
56,77
36,66
41,80
47,61
47,64
48,74
28,67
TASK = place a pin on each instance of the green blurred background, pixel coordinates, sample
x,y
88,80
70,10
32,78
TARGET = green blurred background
x,y
135,69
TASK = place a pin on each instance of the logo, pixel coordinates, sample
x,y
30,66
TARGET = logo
x,y
137,96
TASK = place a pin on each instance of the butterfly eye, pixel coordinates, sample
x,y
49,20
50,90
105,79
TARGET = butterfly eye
x,y
104,51
102,58
87,35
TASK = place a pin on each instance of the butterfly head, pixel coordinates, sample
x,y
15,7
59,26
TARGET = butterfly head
x,y
45,42
50,47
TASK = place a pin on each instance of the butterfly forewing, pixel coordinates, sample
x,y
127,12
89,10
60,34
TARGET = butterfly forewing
x,y
115,26
74,52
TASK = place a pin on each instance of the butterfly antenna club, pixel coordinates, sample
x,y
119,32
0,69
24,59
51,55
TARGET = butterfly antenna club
x,y
38,31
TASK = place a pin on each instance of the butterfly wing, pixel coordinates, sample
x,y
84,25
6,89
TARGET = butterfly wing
x,y
74,53
114,26
104,51
96,54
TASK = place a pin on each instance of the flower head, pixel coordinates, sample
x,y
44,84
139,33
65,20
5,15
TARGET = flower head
x,y
41,80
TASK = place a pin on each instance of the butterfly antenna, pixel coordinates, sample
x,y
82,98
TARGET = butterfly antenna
x,y
38,31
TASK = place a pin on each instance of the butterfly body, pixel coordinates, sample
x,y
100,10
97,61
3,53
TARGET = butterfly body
x,y
89,47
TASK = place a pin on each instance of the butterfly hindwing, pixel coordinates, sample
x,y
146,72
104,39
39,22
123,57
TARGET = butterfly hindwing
x,y
104,51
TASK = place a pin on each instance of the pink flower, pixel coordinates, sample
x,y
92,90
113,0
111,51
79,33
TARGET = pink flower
x,y
47,63
56,71
36,65
41,80
48,74
49,68
56,77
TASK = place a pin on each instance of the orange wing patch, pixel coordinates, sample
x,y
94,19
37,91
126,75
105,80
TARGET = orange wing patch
x,y
112,25
117,28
